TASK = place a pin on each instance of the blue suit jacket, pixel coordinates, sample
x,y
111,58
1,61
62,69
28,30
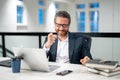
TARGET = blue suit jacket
x,y
78,48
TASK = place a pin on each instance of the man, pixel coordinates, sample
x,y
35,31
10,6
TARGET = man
x,y
66,47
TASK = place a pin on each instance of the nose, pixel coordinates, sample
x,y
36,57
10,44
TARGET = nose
x,y
61,27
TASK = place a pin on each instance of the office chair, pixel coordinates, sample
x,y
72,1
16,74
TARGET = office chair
x,y
88,39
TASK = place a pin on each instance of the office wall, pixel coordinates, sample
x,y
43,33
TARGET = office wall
x,y
102,46
106,48
0,49
32,7
108,21
116,49
117,16
7,15
22,41
108,10
32,17
106,16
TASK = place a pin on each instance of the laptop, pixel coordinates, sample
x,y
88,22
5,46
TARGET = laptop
x,y
6,63
34,59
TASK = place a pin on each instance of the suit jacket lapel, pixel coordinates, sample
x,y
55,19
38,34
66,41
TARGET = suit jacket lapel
x,y
71,45
55,49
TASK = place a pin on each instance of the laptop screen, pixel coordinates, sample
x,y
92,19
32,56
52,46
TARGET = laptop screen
x,y
33,58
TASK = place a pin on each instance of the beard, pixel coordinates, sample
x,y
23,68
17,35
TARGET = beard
x,y
62,33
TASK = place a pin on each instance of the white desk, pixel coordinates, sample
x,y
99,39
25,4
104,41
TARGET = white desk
x,y
79,73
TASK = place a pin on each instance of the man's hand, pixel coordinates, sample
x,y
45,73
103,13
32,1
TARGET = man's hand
x,y
84,60
51,40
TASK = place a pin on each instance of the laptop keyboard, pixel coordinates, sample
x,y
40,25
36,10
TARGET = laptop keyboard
x,y
53,67
6,63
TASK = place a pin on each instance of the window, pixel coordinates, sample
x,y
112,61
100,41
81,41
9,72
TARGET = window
x,y
41,3
94,20
92,14
81,21
80,6
56,5
81,17
20,14
41,16
94,17
41,12
94,5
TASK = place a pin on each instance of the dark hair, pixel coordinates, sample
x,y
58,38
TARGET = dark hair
x,y
63,14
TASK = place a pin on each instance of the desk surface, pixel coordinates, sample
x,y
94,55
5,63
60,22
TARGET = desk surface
x,y
79,73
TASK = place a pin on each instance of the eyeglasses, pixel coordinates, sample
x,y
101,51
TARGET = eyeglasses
x,y
63,25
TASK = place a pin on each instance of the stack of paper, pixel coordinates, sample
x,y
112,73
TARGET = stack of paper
x,y
106,68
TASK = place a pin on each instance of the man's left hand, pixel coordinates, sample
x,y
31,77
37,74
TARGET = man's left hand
x,y
84,60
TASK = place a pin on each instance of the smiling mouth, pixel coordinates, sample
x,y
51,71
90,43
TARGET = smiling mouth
x,y
61,31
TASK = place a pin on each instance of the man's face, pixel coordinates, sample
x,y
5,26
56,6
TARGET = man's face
x,y
61,26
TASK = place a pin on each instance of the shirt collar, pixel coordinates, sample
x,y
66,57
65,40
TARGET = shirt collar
x,y
66,40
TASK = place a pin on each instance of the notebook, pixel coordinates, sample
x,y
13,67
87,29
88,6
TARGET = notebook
x,y
102,64
104,73
34,59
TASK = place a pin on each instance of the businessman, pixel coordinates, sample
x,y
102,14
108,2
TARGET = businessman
x,y
66,47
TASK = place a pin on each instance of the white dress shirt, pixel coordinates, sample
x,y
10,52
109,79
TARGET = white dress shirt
x,y
62,51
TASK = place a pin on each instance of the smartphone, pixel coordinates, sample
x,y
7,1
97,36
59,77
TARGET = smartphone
x,y
63,73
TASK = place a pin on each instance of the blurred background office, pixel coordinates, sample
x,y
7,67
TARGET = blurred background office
x,y
88,16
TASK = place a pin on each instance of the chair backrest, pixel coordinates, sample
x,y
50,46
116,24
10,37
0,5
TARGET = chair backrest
x,y
88,39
